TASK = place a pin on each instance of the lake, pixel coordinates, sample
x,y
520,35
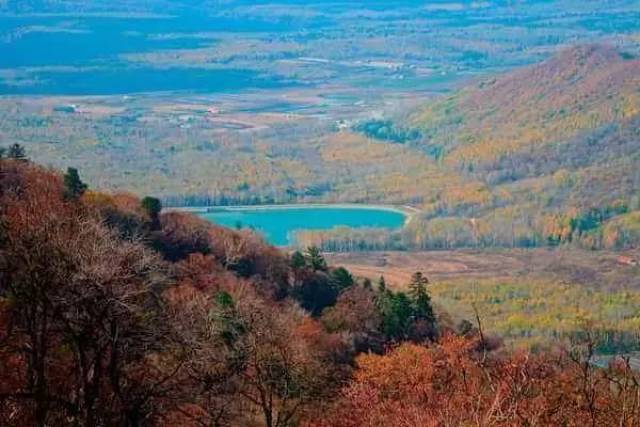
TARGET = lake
x,y
278,224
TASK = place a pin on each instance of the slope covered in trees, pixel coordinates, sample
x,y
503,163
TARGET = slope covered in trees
x,y
576,91
544,155
113,314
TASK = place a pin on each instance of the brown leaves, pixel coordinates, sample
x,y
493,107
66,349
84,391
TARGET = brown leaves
x,y
448,384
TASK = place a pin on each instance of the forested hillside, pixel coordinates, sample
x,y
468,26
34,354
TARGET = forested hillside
x,y
112,313
544,155
455,186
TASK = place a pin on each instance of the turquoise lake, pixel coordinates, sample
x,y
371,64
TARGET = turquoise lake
x,y
278,225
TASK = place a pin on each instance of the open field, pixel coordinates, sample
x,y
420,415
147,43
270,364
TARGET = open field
x,y
529,297
588,268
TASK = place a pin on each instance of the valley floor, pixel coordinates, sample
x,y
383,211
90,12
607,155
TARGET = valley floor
x,y
535,297
590,268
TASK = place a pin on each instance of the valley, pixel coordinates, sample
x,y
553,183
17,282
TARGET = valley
x,y
530,297
496,143
319,213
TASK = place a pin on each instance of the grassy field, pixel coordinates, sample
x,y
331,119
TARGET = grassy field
x,y
530,297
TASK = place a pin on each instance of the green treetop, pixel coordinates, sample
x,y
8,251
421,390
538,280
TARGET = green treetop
x,y
315,259
420,297
74,188
17,152
152,207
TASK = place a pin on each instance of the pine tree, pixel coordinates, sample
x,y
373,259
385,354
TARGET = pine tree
x,y
382,296
229,326
341,278
298,261
315,259
153,207
420,297
397,312
382,285
17,152
74,188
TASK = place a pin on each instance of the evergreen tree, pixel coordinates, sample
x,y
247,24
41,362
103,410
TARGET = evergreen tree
x,y
315,259
420,297
366,284
397,312
17,152
382,285
225,300
74,188
229,325
298,262
315,293
152,207
382,296
341,278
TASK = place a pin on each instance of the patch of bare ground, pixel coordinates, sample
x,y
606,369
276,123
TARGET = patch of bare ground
x,y
608,269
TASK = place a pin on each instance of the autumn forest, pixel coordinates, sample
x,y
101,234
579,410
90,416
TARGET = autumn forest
x,y
319,213
113,313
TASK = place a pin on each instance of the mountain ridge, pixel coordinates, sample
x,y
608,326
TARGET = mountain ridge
x,y
581,88
544,155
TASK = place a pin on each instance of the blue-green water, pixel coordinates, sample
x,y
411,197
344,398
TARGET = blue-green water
x,y
279,224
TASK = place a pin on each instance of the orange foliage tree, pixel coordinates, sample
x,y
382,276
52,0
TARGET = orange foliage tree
x,y
455,383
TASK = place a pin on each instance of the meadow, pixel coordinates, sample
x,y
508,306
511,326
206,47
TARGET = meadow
x,y
531,298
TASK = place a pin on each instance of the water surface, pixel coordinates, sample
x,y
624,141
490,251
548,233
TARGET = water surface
x,y
278,224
